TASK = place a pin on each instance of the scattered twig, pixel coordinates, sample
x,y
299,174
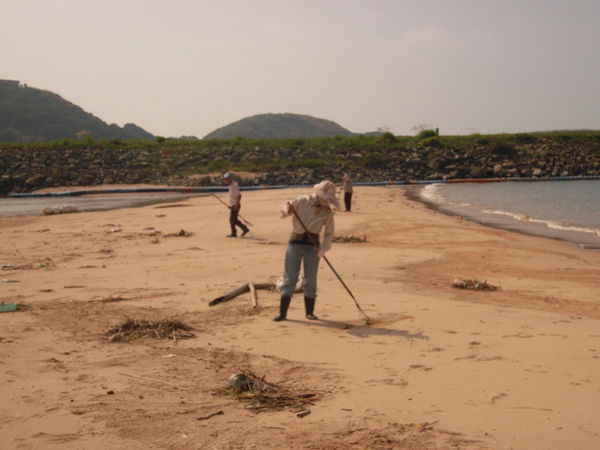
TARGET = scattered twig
x,y
110,298
149,379
262,395
218,413
590,432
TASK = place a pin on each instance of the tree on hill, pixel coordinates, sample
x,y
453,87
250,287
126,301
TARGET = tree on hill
x,y
34,115
279,126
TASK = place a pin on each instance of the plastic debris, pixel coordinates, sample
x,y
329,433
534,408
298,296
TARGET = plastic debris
x,y
261,395
7,307
238,381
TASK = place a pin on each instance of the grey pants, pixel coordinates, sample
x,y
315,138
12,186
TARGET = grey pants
x,y
294,255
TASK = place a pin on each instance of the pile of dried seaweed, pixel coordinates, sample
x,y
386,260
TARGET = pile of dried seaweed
x,y
180,233
474,285
350,239
262,395
134,329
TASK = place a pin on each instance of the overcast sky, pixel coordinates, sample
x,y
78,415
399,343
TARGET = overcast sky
x,y
187,67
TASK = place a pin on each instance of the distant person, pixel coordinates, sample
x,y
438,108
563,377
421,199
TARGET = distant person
x,y
347,182
304,246
235,198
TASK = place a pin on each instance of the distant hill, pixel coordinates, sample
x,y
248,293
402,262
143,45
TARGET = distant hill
x,y
34,115
279,126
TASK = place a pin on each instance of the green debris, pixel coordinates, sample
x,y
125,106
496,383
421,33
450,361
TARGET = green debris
x,y
8,307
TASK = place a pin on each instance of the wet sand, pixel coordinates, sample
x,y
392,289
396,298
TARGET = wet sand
x,y
440,367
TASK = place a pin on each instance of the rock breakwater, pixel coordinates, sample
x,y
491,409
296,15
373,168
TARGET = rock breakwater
x,y
24,169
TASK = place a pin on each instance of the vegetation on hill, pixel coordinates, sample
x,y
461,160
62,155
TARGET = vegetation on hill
x,y
279,126
34,115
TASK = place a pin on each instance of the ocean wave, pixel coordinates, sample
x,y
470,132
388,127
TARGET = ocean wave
x,y
557,209
432,193
548,223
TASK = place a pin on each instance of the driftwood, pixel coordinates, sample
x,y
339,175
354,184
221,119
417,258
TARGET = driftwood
x,y
253,296
248,288
239,291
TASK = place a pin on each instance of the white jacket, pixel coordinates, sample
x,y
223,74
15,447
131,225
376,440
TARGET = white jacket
x,y
315,215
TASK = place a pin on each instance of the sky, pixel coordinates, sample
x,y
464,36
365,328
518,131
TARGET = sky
x,y
187,67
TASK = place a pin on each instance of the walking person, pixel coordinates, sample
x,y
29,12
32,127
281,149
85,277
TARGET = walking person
x,y
235,198
347,192
310,214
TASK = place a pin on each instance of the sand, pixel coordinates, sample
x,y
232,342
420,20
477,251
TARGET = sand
x,y
440,367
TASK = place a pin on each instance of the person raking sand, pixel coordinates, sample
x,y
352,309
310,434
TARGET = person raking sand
x,y
311,214
235,198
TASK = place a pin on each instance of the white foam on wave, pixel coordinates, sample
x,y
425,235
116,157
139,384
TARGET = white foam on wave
x,y
432,193
548,223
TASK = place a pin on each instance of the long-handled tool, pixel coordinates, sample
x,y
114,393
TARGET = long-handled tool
x,y
367,319
239,215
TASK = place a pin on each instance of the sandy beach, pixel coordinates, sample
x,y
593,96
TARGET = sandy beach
x,y
440,367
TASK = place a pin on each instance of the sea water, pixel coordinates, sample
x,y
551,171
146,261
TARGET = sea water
x,y
34,206
567,210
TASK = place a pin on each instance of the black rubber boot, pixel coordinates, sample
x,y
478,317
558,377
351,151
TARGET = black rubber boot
x,y
309,305
284,304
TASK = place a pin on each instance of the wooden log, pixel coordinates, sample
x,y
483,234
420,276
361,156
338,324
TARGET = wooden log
x,y
253,296
239,291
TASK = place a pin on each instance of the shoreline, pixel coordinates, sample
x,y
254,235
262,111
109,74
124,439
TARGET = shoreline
x,y
580,239
25,207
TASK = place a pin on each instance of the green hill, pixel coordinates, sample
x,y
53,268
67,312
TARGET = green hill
x,y
279,126
34,115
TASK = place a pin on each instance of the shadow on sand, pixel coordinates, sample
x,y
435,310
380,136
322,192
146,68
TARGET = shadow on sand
x,y
361,330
